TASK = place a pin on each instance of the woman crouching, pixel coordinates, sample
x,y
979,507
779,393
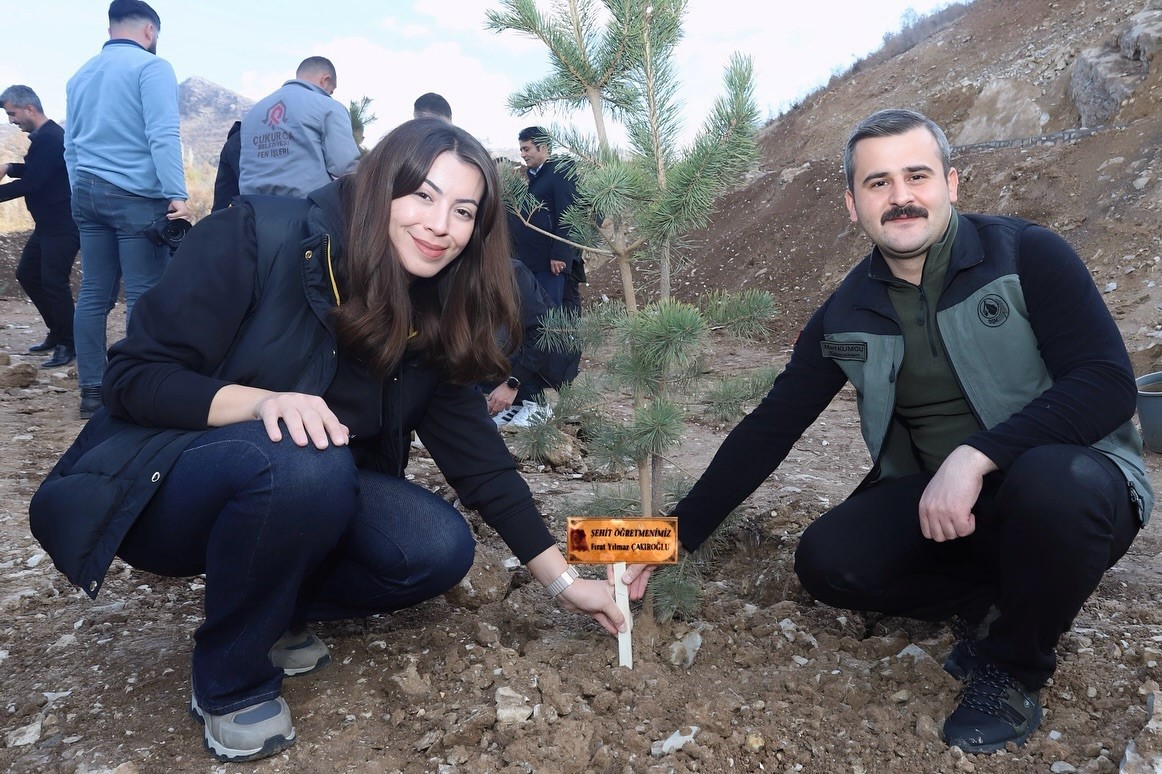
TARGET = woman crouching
x,y
258,416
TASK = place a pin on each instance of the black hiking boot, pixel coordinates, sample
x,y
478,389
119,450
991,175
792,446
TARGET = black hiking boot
x,y
996,709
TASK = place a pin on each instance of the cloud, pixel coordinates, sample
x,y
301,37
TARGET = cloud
x,y
475,88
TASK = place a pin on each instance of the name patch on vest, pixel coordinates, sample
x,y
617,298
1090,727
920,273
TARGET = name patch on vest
x,y
848,350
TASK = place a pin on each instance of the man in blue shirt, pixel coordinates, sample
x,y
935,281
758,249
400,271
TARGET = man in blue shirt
x,y
123,151
47,259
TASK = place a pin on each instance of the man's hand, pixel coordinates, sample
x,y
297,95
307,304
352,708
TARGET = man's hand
x,y
947,502
556,266
636,576
501,398
178,209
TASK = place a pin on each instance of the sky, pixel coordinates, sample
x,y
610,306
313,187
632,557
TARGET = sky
x,y
394,50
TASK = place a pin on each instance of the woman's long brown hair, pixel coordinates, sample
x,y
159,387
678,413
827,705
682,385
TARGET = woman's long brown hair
x,y
457,314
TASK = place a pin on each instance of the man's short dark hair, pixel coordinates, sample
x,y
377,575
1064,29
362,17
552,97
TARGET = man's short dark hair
x,y
432,104
316,65
536,134
120,10
20,96
889,123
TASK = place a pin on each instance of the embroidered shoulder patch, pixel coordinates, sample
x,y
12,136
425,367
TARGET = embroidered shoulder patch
x,y
846,350
993,311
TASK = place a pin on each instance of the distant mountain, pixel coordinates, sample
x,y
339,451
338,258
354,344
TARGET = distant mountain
x,y
207,110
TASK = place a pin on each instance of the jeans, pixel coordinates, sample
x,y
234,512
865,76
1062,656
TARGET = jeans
x,y
46,264
288,534
113,224
1046,531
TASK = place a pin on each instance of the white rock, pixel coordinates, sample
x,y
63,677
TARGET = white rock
x,y
25,735
511,707
1061,767
683,651
676,741
914,652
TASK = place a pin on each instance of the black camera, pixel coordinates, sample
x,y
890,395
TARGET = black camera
x,y
169,232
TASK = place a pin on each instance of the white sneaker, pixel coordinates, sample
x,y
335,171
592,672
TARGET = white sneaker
x,y
506,416
531,413
253,732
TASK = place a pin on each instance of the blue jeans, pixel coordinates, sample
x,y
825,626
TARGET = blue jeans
x,y
113,224
287,534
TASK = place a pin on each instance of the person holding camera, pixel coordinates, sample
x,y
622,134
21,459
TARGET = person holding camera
x,y
123,153
46,262
258,417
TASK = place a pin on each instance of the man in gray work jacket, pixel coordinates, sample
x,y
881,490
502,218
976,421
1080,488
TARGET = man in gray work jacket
x,y
299,138
995,397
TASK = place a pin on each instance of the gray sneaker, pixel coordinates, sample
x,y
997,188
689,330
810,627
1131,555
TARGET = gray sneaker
x,y
253,732
299,653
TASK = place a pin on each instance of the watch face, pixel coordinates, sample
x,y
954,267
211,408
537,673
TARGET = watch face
x,y
513,383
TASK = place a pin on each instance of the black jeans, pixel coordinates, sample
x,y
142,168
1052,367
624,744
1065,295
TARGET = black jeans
x,y
46,263
1045,533
284,535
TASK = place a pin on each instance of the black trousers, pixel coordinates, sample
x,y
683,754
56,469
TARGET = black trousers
x,y
46,264
1045,533
572,297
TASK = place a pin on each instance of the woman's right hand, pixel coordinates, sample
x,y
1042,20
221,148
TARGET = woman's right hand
x,y
308,418
594,598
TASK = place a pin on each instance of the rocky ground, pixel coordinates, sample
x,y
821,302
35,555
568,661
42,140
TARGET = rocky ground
x,y
493,677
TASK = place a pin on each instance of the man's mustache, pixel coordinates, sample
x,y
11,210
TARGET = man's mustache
x,y
909,211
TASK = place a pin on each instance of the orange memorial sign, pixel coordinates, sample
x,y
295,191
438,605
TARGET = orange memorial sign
x,y
645,540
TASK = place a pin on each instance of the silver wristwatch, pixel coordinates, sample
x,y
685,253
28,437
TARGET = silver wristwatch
x,y
562,582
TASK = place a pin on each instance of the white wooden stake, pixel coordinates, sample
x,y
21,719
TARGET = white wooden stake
x,y
624,639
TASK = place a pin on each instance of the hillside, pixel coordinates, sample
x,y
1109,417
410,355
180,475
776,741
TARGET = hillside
x,y
1002,71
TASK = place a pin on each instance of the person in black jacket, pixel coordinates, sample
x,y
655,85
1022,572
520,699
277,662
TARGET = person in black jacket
x,y
226,180
46,263
527,364
258,416
996,398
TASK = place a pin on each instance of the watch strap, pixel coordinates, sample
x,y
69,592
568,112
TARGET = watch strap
x,y
563,581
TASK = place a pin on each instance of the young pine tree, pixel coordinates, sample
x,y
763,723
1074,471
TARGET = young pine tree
x,y
614,59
